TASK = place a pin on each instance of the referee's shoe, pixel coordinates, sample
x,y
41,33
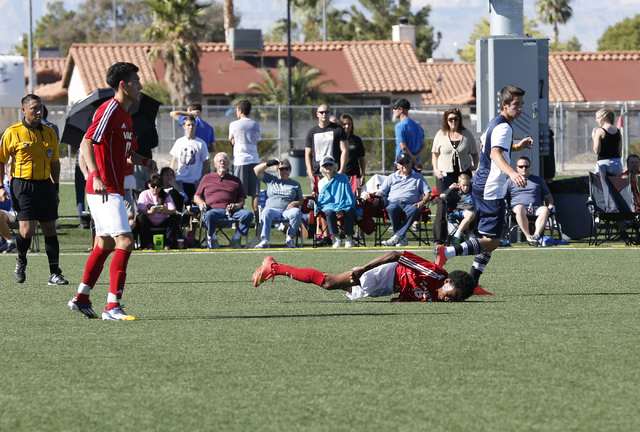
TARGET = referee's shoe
x,y
57,279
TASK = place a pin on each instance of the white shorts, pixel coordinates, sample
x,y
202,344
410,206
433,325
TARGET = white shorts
x,y
110,217
377,282
11,215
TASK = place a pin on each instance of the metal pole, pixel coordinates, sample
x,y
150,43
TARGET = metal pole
x,y
114,16
324,20
30,53
382,146
289,68
279,131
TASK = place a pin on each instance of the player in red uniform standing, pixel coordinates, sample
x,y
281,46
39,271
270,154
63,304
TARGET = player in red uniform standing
x,y
107,145
409,275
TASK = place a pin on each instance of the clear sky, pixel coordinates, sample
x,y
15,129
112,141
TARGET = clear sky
x,y
453,18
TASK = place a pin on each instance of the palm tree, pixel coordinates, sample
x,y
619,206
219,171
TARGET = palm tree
x,y
553,12
306,89
229,22
175,26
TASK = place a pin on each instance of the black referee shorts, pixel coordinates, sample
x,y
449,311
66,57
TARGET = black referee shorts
x,y
34,200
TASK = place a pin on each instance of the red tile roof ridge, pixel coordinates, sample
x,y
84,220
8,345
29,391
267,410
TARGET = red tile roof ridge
x,y
597,55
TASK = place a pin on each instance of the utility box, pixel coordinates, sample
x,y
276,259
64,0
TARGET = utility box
x,y
523,62
12,88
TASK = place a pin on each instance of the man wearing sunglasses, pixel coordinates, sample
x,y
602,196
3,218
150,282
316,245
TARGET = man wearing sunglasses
x,y
325,139
284,200
407,193
529,199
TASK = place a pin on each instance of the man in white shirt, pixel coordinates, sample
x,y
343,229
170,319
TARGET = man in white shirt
x,y
190,158
244,135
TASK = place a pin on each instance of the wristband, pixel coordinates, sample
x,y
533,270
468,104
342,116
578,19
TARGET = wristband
x,y
94,174
2,186
144,161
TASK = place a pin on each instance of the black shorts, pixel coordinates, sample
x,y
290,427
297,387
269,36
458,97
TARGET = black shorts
x,y
34,200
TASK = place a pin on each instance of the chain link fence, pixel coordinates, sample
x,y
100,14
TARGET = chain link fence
x,y
571,123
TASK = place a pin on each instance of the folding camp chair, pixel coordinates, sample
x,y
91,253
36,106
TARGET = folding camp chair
x,y
610,204
300,233
223,223
514,233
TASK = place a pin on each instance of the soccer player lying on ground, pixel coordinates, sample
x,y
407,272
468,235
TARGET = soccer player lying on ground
x,y
413,277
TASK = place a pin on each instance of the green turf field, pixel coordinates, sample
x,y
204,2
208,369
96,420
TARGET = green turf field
x,y
555,349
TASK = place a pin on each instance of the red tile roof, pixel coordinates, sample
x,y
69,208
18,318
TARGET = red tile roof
x,y
451,83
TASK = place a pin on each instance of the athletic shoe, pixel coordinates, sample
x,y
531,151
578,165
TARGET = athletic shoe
x,y
11,248
394,240
117,314
263,245
84,308
337,242
441,258
235,243
21,266
57,279
534,240
324,241
349,243
290,243
264,272
456,240
212,243
404,241
415,226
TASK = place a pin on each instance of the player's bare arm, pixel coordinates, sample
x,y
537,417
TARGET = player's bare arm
x,y
501,162
3,193
525,143
137,159
389,257
90,158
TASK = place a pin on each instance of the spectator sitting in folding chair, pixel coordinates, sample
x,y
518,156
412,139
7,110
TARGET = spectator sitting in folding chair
x,y
284,199
219,195
459,200
529,199
406,192
336,196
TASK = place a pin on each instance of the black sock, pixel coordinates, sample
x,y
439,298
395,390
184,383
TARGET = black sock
x,y
479,263
52,247
22,244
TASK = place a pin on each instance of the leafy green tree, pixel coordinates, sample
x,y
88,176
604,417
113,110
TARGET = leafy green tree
x,y
306,87
371,20
483,29
158,92
175,27
624,35
572,44
554,12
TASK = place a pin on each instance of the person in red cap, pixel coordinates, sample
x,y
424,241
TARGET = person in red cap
x,y
412,277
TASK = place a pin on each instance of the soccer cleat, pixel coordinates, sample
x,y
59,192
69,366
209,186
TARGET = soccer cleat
x,y
117,314
263,245
11,248
349,243
441,258
481,291
337,242
394,240
57,279
264,272
84,308
21,266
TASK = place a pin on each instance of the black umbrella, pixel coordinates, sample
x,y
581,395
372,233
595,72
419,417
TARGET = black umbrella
x,y
81,115
143,112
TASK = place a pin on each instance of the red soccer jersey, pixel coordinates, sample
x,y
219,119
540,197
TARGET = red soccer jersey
x,y
417,279
112,134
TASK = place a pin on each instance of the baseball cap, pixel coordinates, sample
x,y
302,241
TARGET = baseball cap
x,y
402,103
401,156
328,160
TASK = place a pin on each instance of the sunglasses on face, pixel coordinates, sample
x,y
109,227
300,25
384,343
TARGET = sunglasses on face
x,y
324,112
453,119
524,166
284,169
404,162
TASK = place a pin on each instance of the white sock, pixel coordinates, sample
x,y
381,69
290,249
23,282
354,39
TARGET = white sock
x,y
458,234
84,289
289,238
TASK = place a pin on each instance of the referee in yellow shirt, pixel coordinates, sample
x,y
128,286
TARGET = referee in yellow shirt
x,y
33,148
